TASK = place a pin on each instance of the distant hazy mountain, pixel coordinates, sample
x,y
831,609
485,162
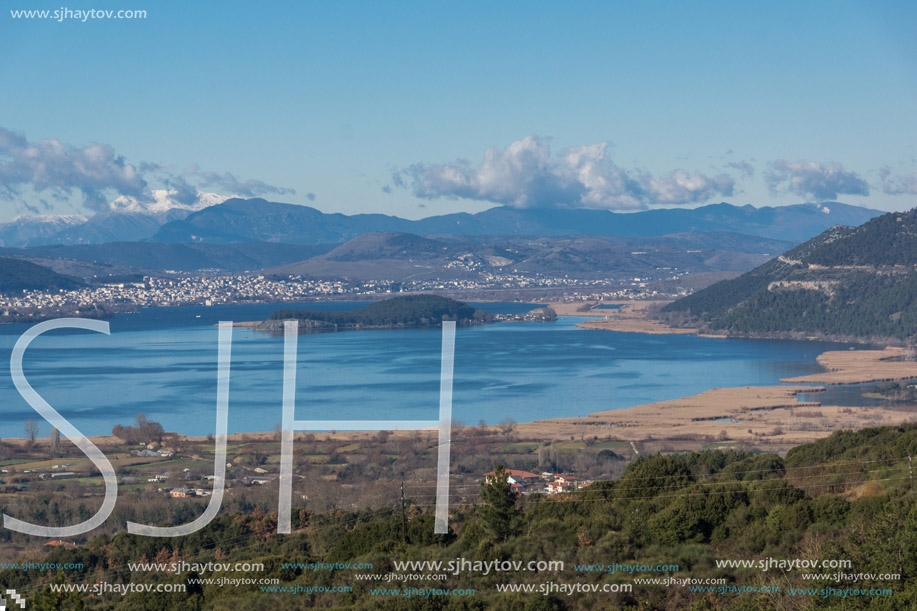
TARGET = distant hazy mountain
x,y
794,223
129,219
401,256
26,230
114,227
857,282
179,257
257,220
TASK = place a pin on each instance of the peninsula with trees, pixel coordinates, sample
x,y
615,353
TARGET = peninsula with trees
x,y
409,311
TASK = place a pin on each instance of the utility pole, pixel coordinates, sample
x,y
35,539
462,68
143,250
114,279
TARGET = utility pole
x,y
404,523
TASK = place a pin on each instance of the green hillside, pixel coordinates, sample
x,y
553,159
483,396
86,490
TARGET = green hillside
x,y
678,517
847,282
18,275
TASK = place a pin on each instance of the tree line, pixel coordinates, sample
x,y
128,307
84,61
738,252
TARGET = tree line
x,y
845,497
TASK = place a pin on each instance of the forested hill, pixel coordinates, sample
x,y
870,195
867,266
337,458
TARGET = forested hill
x,y
406,311
845,497
847,282
18,275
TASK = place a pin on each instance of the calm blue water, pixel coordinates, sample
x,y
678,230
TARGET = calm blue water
x,y
846,395
162,362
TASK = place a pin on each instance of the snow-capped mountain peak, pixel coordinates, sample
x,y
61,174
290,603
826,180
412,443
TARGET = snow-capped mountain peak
x,y
164,200
62,220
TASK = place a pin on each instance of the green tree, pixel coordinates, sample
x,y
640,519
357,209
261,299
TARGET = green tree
x,y
499,509
47,600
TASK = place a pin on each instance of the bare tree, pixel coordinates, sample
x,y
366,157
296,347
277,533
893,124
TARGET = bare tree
x,y
457,426
31,429
506,425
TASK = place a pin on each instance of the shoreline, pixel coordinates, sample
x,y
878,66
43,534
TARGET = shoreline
x,y
765,417
631,317
860,367
634,317
771,416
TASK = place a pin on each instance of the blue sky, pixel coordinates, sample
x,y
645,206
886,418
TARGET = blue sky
x,y
417,109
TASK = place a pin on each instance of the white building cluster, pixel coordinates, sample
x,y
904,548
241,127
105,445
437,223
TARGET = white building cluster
x,y
175,289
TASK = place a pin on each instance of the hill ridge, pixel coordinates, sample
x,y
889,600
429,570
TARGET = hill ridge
x,y
851,282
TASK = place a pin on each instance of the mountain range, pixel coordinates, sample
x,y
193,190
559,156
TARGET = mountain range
x,y
248,235
110,226
127,219
151,256
856,282
28,230
403,256
257,220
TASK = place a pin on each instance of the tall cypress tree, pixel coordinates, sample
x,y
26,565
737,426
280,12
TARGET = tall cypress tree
x,y
499,509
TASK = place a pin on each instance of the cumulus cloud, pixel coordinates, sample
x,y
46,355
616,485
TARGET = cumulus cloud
x,y
822,181
52,165
898,185
742,166
105,180
182,191
526,175
228,183
10,141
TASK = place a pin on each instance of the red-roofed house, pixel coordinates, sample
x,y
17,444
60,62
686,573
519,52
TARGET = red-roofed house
x,y
518,480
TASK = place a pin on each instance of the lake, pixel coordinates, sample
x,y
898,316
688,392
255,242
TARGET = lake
x,y
162,362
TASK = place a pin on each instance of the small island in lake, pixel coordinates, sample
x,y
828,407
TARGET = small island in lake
x,y
408,311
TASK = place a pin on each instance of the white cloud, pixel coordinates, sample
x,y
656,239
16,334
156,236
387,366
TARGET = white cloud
x,y
107,181
525,174
679,187
899,185
228,183
812,179
742,166
52,165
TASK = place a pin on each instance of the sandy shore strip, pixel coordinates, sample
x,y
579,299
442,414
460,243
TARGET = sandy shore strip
x,y
586,308
636,325
860,367
750,413
631,317
756,415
